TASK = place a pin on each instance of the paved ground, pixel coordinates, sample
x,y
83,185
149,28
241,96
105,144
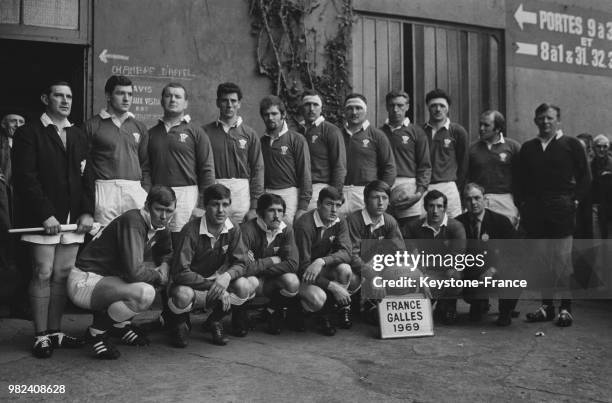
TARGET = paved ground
x,y
466,362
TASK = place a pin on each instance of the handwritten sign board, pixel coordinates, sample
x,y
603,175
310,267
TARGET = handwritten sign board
x,y
550,36
407,316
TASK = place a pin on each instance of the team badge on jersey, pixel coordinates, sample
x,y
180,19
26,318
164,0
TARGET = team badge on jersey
x,y
314,138
224,248
136,136
503,157
83,163
182,137
447,143
284,150
405,139
275,249
331,238
242,143
366,142
484,237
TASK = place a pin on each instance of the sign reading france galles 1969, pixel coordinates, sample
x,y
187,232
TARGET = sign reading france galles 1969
x,y
549,36
407,316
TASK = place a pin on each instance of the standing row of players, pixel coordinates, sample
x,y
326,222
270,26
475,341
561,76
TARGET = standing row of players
x,y
67,175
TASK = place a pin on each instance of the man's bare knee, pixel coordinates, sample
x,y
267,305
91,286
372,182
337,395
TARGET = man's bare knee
x,y
42,273
144,296
241,287
313,298
343,273
181,296
290,282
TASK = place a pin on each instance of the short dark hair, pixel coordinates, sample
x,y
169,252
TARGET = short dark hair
x,y
473,185
216,192
356,95
53,83
114,81
376,186
161,194
174,85
433,195
266,200
270,101
330,192
396,94
437,93
542,108
229,88
499,122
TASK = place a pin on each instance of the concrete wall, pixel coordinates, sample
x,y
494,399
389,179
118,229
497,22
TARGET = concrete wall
x,y
199,43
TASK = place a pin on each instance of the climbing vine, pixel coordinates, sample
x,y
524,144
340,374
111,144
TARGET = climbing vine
x,y
286,55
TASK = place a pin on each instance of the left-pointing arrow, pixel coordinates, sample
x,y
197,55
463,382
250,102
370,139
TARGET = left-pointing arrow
x,y
104,56
523,48
525,17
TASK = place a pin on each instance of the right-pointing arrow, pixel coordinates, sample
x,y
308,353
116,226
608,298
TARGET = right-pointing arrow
x,y
521,16
530,49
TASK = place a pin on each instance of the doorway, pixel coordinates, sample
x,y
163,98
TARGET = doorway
x,y
28,66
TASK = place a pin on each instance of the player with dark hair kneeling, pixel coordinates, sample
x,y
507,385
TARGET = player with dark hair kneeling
x,y
324,245
112,277
273,259
372,231
207,271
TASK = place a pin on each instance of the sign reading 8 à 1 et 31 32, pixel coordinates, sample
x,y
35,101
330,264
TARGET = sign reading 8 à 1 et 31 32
x,y
556,37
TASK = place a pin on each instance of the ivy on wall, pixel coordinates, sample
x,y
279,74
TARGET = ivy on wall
x,y
285,55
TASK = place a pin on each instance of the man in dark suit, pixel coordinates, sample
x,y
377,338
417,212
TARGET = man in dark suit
x,y
482,227
49,161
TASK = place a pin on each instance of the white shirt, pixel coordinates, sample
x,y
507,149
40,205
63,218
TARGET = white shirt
x,y
436,231
60,129
368,221
227,225
284,130
405,123
364,126
545,143
446,125
319,222
270,234
104,114
226,128
168,125
500,140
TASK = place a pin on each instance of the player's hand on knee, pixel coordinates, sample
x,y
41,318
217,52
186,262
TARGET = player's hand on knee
x,y
312,271
84,223
341,294
52,226
164,273
225,301
219,286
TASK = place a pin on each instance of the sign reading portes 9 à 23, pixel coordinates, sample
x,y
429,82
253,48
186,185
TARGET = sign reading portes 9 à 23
x,y
550,36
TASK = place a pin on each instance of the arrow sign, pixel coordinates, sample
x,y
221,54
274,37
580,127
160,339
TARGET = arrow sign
x,y
525,17
530,49
104,56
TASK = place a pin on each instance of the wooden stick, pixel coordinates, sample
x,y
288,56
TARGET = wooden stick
x,y
64,228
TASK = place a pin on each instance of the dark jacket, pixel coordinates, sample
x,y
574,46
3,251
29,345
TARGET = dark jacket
x,y
47,177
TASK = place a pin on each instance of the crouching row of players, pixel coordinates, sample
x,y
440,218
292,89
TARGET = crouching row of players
x,y
218,266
